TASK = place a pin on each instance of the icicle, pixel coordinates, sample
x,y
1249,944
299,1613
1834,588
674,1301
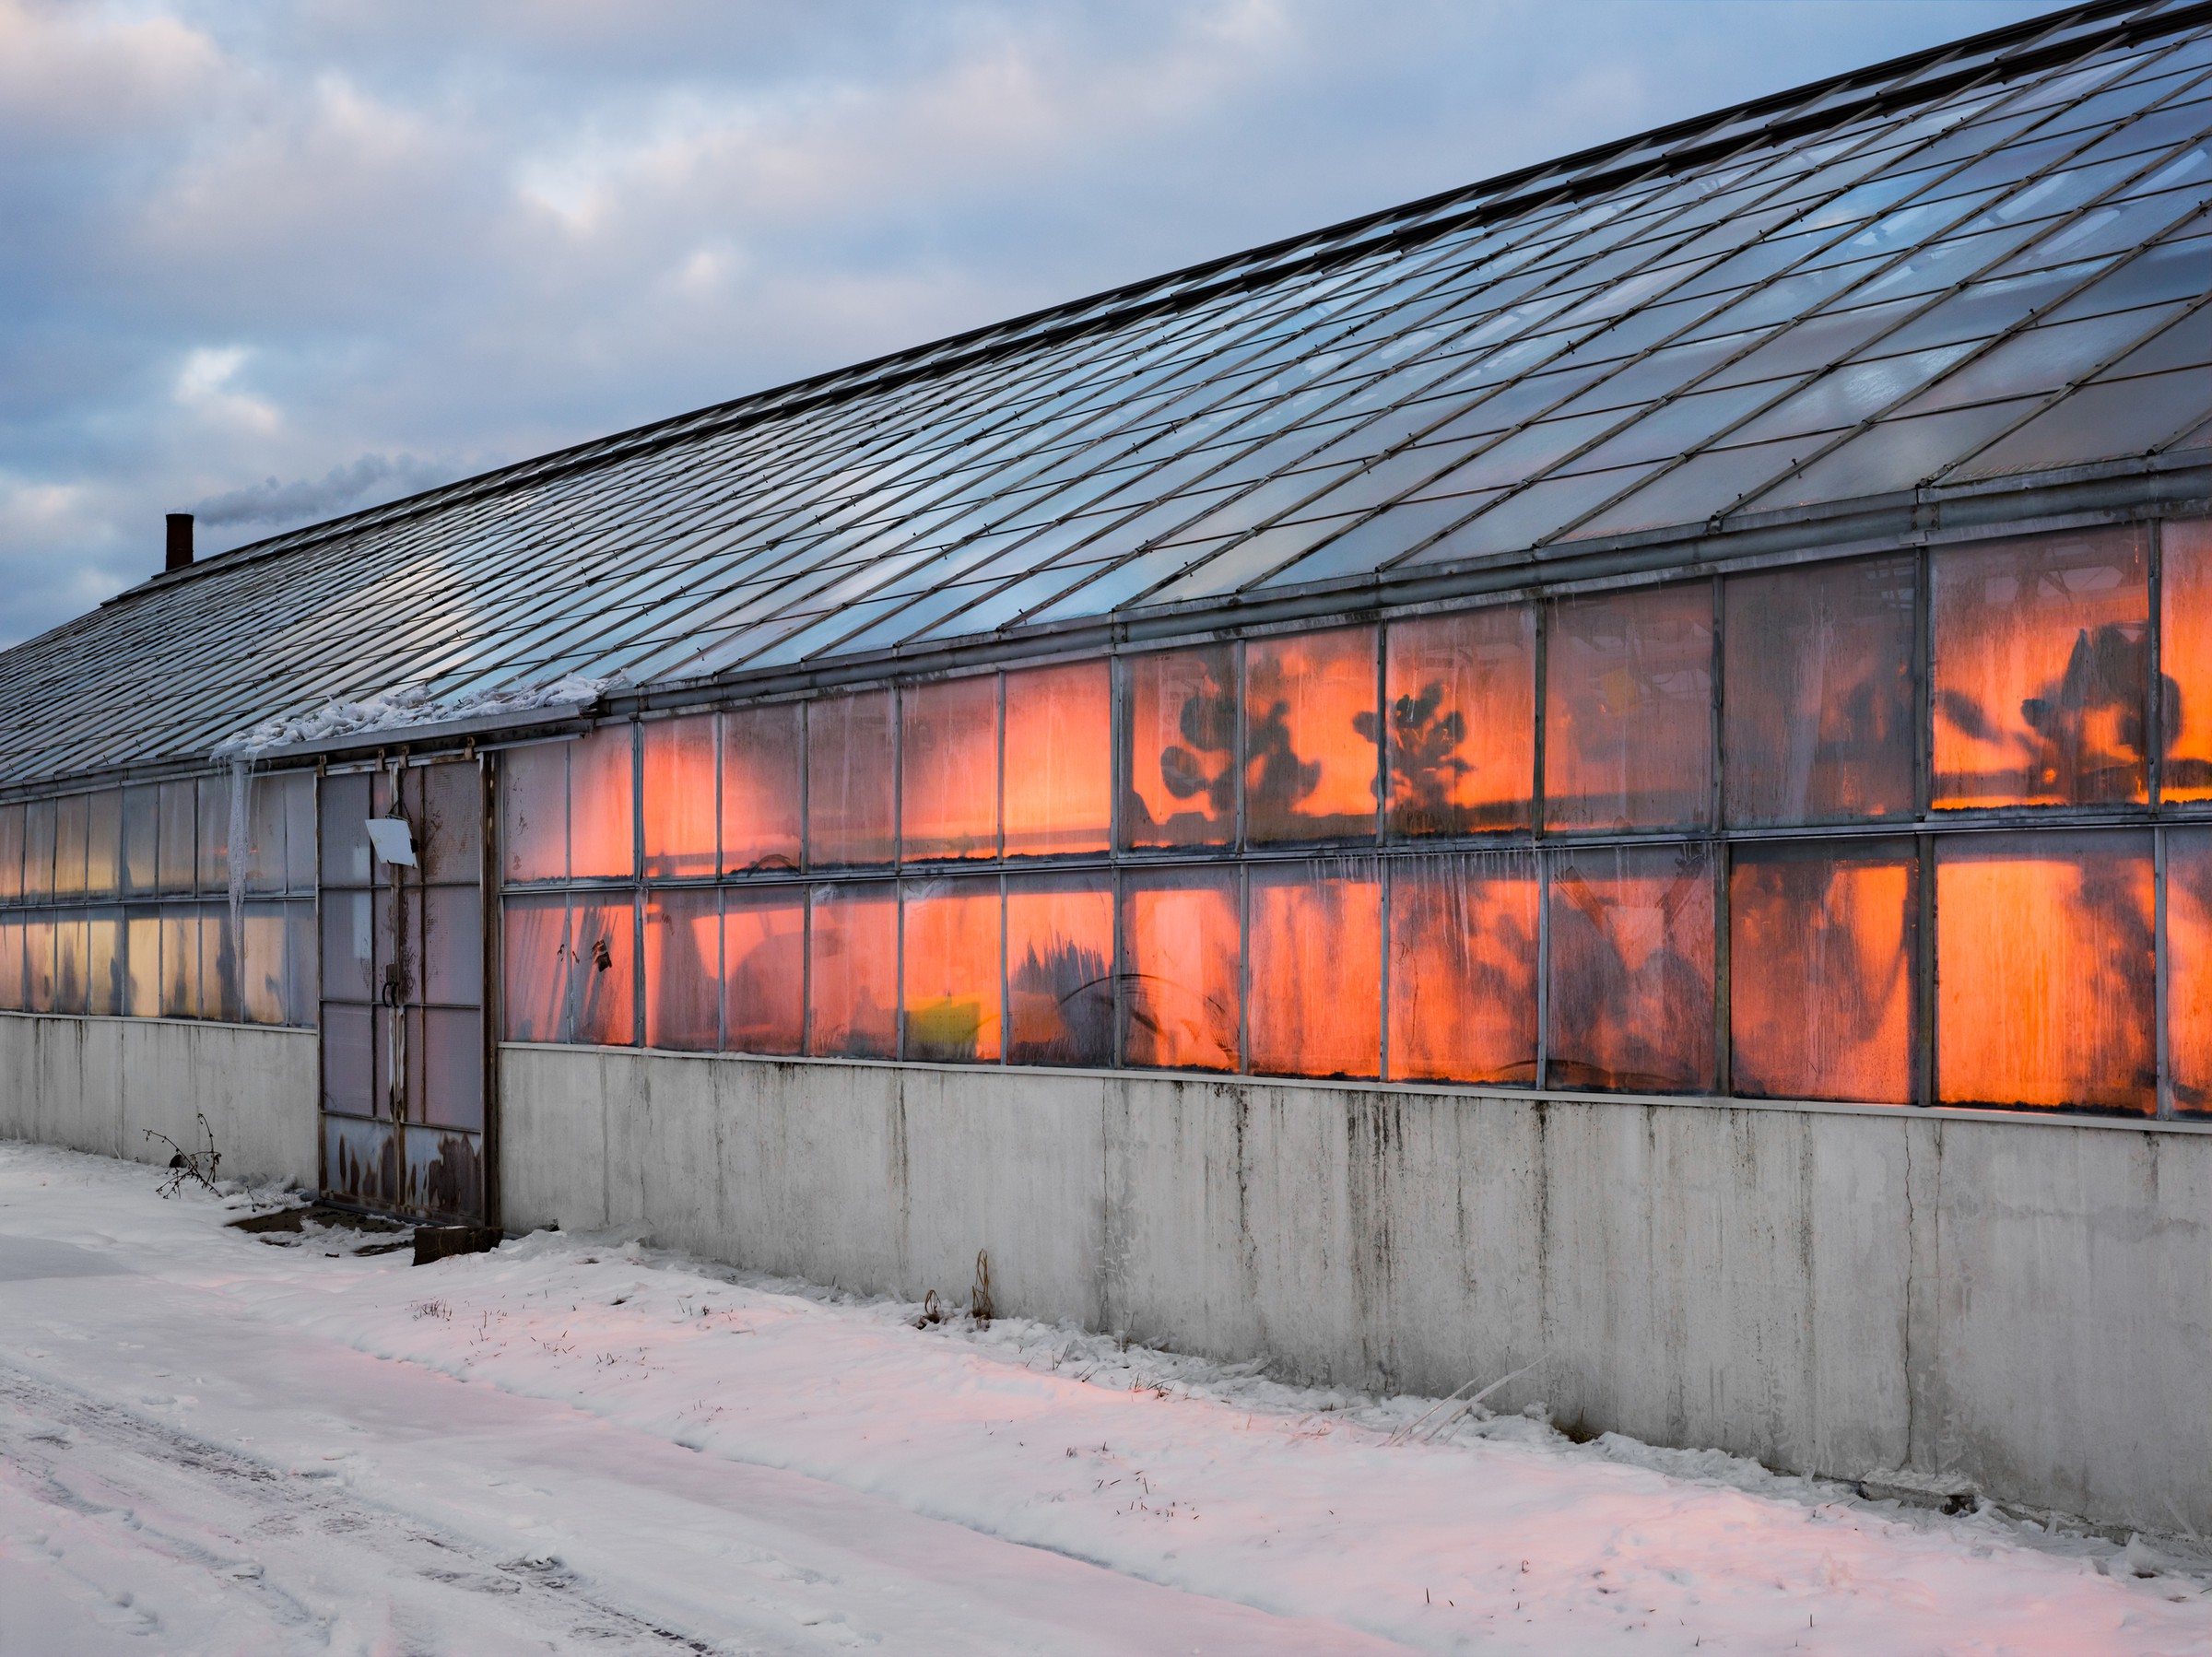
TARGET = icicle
x,y
242,782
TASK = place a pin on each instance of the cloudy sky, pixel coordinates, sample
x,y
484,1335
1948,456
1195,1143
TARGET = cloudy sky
x,y
270,262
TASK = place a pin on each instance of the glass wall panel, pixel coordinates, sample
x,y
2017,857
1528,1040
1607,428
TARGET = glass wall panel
x,y
452,943
11,854
2044,973
300,830
143,949
1816,721
38,850
266,802
177,851
1631,970
38,964
601,960
1462,968
141,840
107,988
222,983
180,961
535,948
764,969
361,1160
533,814
213,857
1627,709
679,799
262,989
1180,998
683,969
1311,768
344,815
1059,967
447,803
601,789
72,960
2189,967
2186,656
11,964
103,844
71,822
1059,761
949,768
951,984
451,1042
761,787
348,961
301,982
1180,760
853,972
1460,705
850,774
1822,943
1315,941
2041,667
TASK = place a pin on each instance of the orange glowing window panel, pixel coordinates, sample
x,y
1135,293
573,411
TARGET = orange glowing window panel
x,y
601,789
1817,721
602,964
1631,970
683,969
1821,950
1316,988
1628,709
764,969
2185,657
1180,992
1182,749
1059,767
534,814
2041,668
952,970
1460,705
677,763
848,776
2045,972
2189,967
1309,759
949,768
1060,969
853,972
761,757
1462,968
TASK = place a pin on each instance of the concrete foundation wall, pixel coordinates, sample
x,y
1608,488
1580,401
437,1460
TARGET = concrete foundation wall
x,y
2027,1302
96,1084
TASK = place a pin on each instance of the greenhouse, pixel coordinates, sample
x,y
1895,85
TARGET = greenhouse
x,y
1631,723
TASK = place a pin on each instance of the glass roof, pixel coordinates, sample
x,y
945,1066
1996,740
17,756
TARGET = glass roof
x,y
1988,259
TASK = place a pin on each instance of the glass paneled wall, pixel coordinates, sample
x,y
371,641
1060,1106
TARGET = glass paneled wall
x,y
116,903
1926,827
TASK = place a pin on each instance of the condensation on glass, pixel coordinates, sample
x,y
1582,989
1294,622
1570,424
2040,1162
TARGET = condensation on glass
x,y
2185,658
1180,999
602,822
853,970
850,776
763,780
1822,943
1314,944
1179,753
1060,980
2041,670
679,800
764,969
2189,967
951,970
1460,722
1059,760
1628,709
602,961
1631,982
949,768
2045,971
683,968
1310,762
1818,718
1464,955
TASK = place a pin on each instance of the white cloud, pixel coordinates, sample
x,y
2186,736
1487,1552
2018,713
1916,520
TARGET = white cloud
x,y
205,385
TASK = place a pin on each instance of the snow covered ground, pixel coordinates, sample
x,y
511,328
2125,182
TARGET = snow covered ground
x,y
217,1441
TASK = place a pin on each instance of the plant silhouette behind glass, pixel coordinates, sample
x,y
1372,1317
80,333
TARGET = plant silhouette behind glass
x,y
1423,753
